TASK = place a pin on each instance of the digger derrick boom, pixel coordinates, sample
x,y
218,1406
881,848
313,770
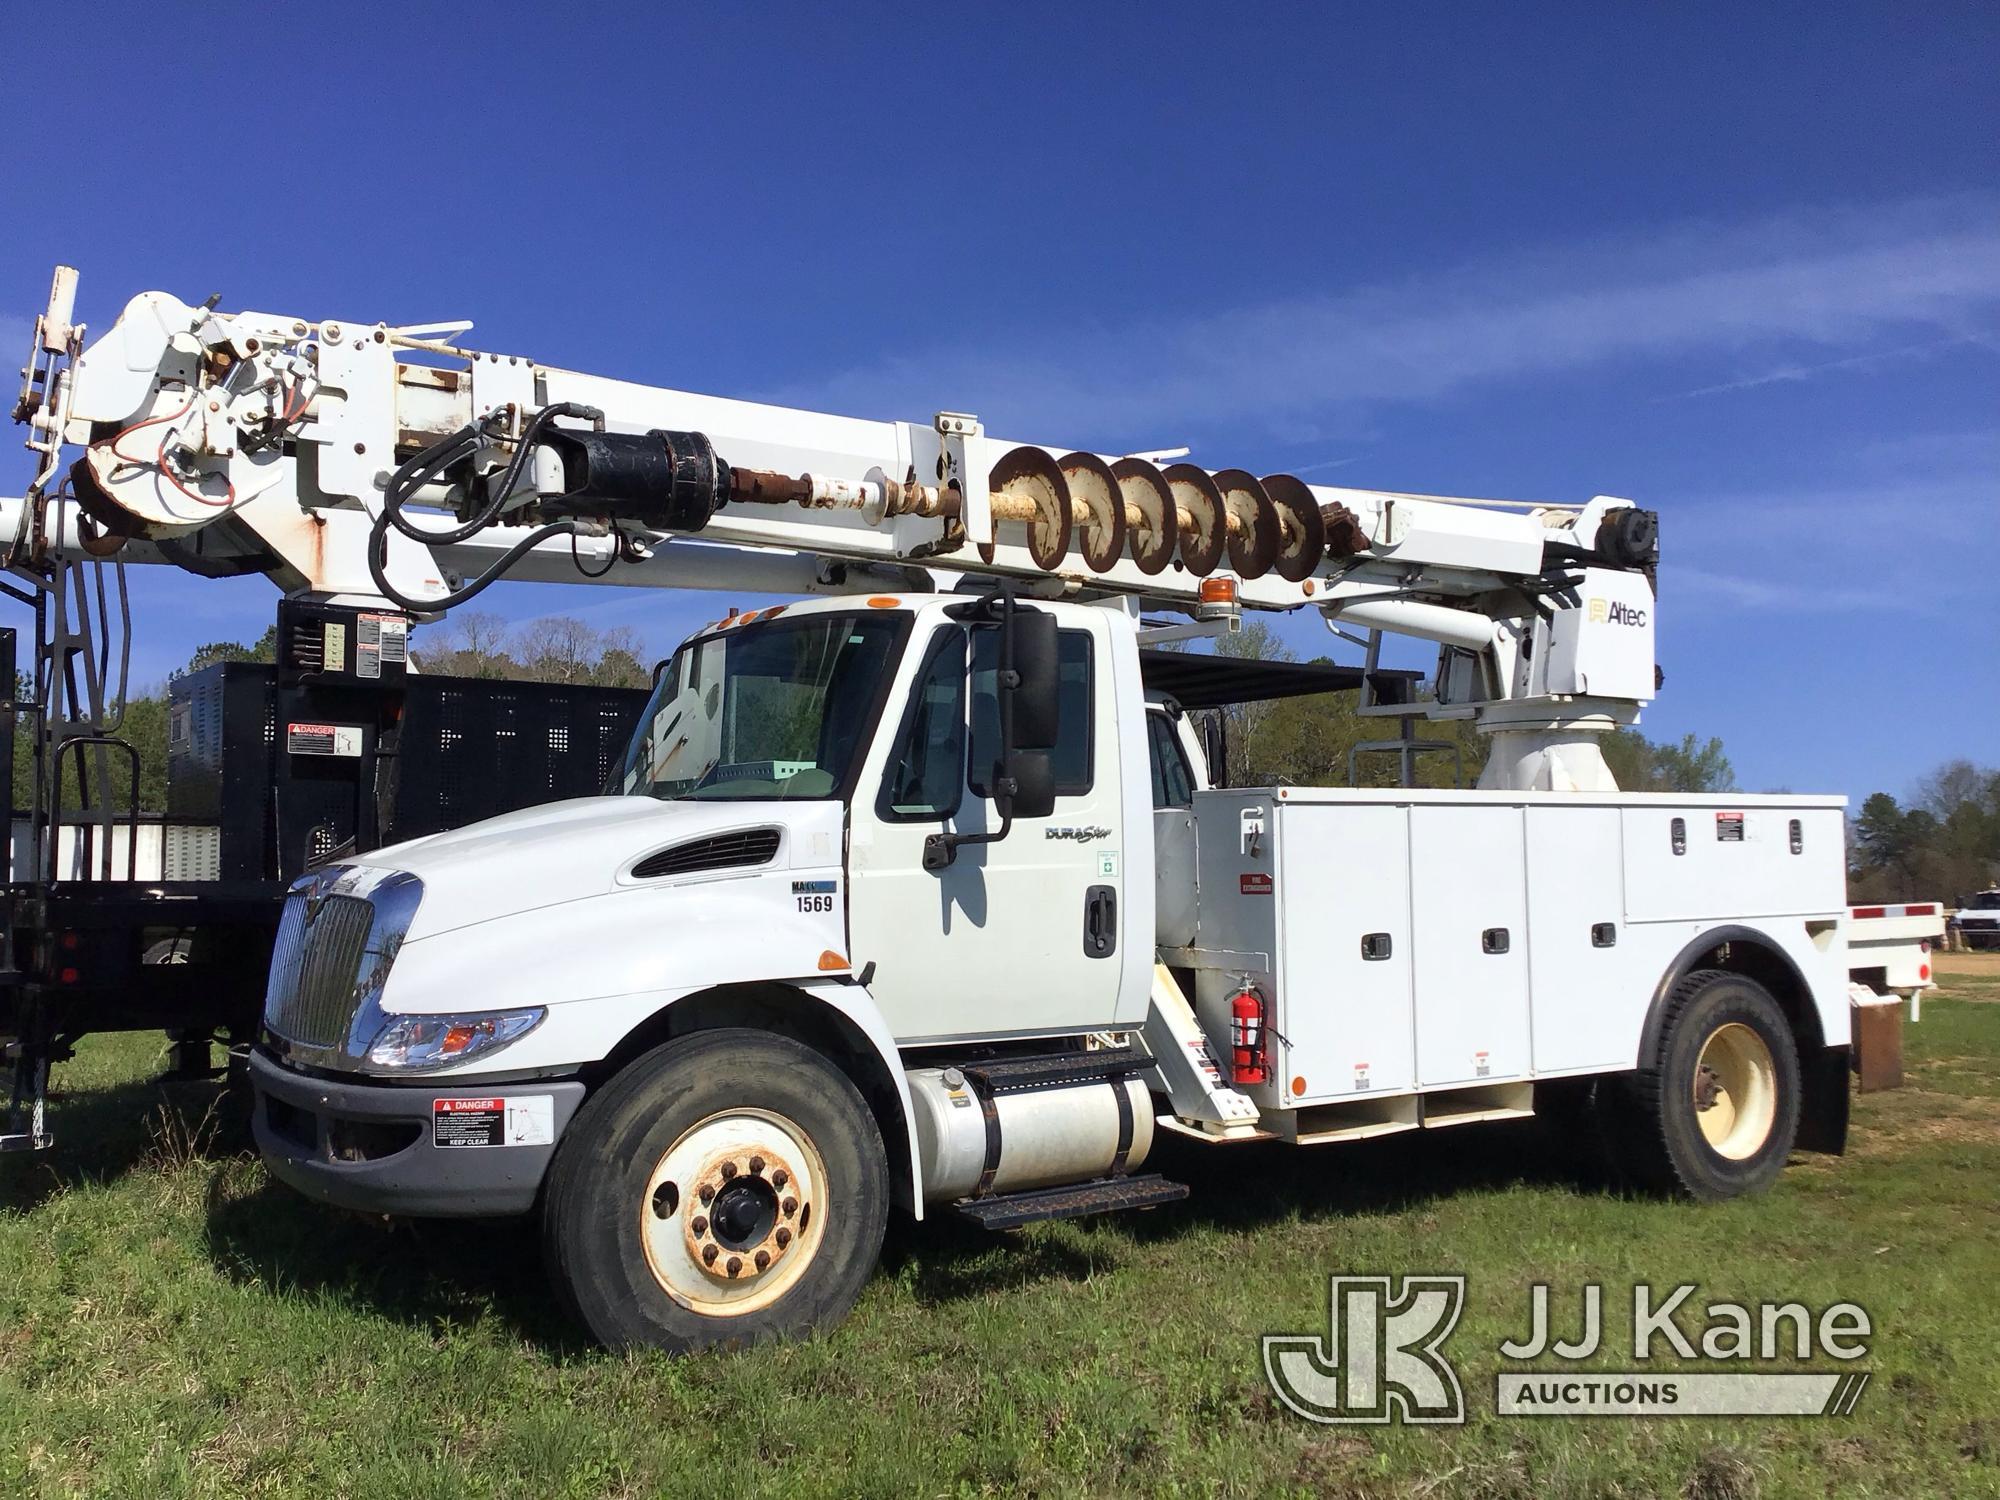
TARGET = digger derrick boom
x,y
364,461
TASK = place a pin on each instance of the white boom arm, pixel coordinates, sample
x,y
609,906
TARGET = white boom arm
x,y
363,461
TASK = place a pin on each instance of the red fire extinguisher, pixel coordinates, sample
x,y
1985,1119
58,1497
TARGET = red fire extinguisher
x,y
1247,1061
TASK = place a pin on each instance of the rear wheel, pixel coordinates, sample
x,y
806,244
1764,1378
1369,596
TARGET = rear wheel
x,y
725,1188
1716,1114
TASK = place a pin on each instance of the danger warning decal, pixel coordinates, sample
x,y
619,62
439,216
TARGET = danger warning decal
x,y
323,739
520,1120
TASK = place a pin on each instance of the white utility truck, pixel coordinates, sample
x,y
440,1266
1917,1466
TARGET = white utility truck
x,y
1977,922
919,892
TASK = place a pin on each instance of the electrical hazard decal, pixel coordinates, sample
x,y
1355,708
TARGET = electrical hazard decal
x,y
343,740
516,1120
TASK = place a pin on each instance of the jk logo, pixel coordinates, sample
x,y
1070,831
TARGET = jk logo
x,y
1379,1361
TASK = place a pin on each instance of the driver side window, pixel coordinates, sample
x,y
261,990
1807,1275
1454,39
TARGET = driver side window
x,y
926,775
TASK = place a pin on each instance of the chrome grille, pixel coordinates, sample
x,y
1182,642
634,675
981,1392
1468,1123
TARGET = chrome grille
x,y
315,965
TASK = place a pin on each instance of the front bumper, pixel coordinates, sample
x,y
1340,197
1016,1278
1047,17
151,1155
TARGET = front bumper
x,y
375,1146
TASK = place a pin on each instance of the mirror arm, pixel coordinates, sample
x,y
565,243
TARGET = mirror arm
x,y
941,849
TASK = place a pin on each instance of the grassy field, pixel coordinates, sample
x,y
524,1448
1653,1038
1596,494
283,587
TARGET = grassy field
x,y
172,1323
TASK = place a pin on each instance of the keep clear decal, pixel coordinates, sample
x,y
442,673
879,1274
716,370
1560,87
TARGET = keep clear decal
x,y
516,1120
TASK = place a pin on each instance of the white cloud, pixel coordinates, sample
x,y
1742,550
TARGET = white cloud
x,y
1793,374
1912,529
1740,593
1828,280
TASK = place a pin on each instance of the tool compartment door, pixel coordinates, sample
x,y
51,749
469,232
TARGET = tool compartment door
x,y
1344,879
1469,950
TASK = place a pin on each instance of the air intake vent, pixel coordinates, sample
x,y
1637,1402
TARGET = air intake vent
x,y
722,851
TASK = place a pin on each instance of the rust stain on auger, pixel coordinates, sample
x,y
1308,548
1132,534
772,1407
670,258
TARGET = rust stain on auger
x,y
1080,505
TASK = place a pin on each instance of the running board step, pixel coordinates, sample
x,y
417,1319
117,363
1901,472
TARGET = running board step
x,y
1074,1200
1015,1075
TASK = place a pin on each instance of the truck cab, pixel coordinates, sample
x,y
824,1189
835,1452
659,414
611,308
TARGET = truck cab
x,y
839,823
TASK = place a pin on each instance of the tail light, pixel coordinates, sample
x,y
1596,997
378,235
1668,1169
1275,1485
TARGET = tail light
x,y
1248,1062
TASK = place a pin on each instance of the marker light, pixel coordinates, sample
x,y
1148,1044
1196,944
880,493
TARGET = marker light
x,y
419,1044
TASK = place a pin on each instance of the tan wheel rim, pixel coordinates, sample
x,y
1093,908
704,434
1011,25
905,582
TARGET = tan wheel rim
x,y
1735,1091
734,1212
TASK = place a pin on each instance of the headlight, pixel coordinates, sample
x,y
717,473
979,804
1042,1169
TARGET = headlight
x,y
417,1044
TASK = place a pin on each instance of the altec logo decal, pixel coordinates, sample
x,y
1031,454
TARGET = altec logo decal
x,y
1615,612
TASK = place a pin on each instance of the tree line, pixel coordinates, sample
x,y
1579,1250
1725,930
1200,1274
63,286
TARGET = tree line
x,y
1943,844
1312,741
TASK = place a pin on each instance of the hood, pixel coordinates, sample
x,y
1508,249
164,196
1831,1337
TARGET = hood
x,y
567,851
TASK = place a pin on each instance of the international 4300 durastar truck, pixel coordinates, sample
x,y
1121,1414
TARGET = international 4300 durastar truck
x,y
920,892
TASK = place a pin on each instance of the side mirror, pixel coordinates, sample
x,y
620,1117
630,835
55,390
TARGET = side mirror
x,y
1214,726
660,669
1028,686
1037,683
1033,774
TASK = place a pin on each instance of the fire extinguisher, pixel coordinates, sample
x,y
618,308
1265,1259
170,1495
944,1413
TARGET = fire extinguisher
x,y
1247,1060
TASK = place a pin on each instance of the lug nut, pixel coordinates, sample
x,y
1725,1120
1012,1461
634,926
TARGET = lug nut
x,y
728,1170
735,1264
791,1207
780,1177
708,1255
784,1237
763,1259
700,1225
707,1192
756,1164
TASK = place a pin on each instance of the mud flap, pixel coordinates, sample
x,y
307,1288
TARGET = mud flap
x,y
1823,1102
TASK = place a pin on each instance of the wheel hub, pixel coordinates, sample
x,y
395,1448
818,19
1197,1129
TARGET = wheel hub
x,y
731,1215
741,1220
1735,1091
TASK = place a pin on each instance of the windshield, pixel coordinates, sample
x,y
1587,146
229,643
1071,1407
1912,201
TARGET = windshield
x,y
774,710
1984,901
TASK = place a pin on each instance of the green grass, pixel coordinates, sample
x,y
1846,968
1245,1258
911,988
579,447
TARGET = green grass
x,y
173,1323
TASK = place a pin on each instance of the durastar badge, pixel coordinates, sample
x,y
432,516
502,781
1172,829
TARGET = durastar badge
x,y
1082,835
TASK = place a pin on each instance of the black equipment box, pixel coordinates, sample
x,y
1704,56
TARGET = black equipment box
x,y
294,774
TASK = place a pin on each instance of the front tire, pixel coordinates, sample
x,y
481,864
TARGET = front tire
x,y
1716,1113
724,1189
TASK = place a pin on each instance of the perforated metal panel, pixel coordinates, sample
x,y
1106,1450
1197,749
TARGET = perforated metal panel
x,y
469,748
473,748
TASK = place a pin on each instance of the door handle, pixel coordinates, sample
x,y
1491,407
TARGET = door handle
x,y
1100,921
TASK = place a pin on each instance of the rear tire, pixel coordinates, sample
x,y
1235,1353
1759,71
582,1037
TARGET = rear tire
x,y
726,1188
1716,1113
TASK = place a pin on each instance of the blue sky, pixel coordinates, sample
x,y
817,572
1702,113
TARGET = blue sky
x,y
1741,264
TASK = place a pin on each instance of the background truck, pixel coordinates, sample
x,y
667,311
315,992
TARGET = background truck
x,y
1976,923
920,892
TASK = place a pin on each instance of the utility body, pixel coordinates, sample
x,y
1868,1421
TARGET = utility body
x,y
924,892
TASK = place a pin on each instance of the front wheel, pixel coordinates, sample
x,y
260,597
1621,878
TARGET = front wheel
x,y
1716,1114
725,1188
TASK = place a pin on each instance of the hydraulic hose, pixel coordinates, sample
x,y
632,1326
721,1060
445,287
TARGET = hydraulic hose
x,y
460,445
434,460
377,548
